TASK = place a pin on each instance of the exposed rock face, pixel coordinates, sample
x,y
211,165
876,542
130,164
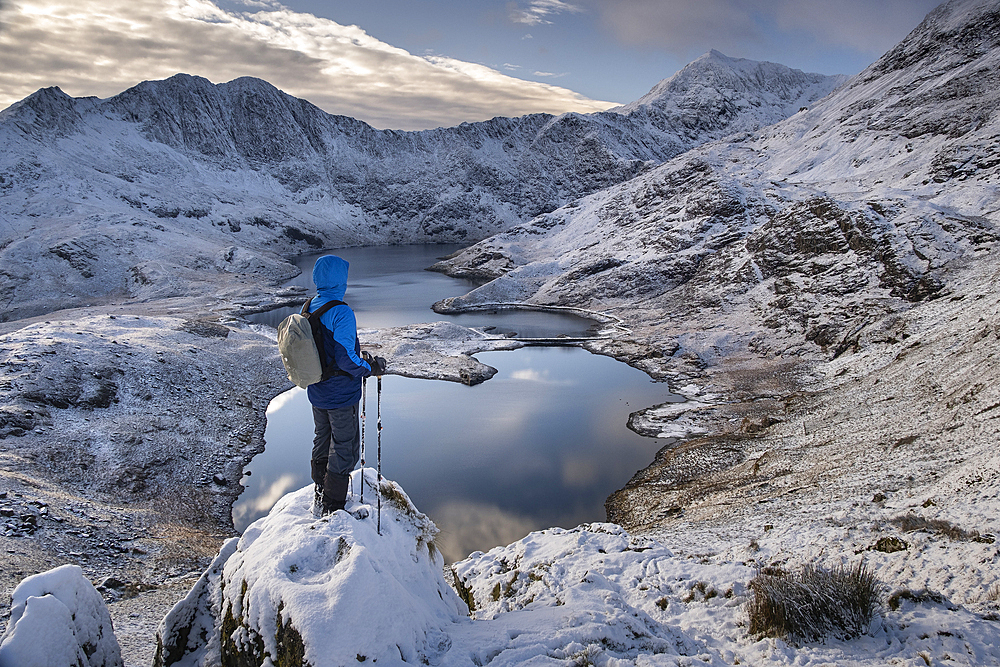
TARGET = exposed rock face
x,y
140,194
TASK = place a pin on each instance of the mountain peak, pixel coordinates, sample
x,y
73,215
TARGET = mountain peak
x,y
47,111
717,87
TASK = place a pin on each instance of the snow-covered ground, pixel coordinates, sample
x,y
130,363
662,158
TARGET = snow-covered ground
x,y
822,291
334,591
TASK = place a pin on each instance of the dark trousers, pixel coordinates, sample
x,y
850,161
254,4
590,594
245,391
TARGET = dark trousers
x,y
336,449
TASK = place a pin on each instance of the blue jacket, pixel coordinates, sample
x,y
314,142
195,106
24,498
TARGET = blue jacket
x,y
340,335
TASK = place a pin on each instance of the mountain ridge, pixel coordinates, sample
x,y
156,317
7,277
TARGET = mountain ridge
x,y
201,168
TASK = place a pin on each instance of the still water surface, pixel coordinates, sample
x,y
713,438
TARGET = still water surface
x,y
541,444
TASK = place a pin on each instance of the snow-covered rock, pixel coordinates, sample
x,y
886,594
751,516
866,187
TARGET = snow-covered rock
x,y
297,590
59,619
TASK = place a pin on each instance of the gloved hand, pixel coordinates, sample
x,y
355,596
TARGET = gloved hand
x,y
377,363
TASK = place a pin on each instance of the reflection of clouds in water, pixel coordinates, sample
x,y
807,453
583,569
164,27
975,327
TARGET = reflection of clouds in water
x,y
467,527
283,399
532,375
263,501
580,472
529,374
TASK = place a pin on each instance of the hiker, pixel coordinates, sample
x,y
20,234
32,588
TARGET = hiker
x,y
337,443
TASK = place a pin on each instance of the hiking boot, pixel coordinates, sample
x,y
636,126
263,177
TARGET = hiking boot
x,y
334,492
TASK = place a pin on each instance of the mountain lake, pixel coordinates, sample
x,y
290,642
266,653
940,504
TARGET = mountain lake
x,y
541,444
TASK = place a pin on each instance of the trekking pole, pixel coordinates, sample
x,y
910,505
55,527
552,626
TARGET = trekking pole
x,y
364,385
378,414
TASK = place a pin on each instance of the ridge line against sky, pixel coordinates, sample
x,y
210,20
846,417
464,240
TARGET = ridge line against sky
x,y
416,64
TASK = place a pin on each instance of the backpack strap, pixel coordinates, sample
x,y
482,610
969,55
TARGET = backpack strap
x,y
329,365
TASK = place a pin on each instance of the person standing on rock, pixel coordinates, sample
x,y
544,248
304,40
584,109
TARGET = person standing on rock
x,y
337,442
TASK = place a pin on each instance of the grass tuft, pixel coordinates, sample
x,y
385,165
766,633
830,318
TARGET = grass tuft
x,y
909,523
814,603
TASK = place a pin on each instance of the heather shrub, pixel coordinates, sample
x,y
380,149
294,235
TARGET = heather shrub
x,y
813,604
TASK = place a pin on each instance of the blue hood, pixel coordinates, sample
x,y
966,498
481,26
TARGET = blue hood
x,y
330,277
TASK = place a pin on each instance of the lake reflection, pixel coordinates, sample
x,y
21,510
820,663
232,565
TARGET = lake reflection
x,y
542,444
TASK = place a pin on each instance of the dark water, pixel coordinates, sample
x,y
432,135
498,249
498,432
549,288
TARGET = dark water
x,y
541,444
389,286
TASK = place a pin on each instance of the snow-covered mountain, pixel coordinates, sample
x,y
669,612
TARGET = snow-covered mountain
x,y
142,193
796,235
743,263
822,291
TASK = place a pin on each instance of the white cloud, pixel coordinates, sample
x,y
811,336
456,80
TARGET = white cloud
x,y
265,500
533,375
101,47
538,11
283,399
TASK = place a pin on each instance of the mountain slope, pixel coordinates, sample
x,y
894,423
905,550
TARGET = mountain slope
x,y
745,266
145,192
869,194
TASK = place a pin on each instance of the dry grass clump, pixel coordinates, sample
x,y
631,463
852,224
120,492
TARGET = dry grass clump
x,y
909,523
814,603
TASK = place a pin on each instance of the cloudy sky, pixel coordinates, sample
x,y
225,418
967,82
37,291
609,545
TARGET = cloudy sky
x,y
413,64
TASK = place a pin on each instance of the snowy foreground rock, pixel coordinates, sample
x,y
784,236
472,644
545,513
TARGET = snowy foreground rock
x,y
297,590
331,591
58,618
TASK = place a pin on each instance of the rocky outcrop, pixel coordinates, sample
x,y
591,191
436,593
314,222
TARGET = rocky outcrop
x,y
297,590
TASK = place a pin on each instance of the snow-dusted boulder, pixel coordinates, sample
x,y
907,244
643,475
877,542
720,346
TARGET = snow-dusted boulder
x,y
299,590
59,619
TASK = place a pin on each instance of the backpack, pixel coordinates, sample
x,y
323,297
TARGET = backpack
x,y
300,342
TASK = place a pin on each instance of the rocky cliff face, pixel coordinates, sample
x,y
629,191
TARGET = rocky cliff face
x,y
177,177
